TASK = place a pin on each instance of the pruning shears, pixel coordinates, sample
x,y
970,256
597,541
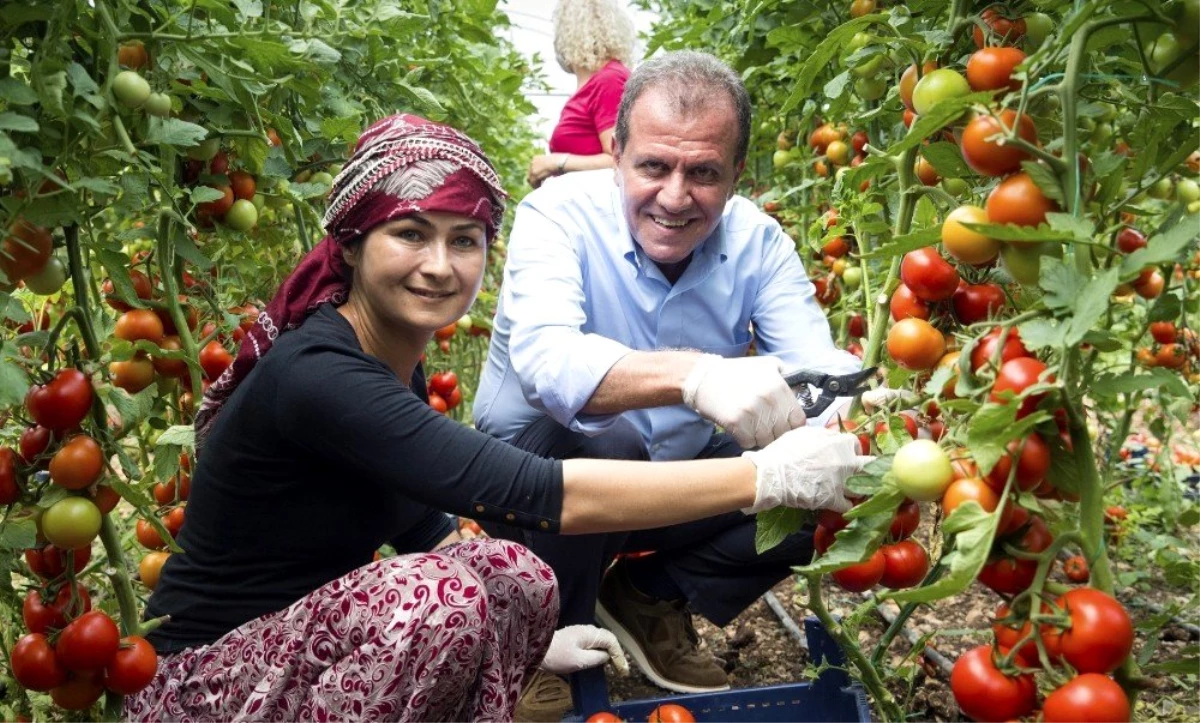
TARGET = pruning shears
x,y
828,387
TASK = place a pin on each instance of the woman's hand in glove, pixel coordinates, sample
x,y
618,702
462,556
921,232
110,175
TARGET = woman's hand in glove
x,y
807,468
577,647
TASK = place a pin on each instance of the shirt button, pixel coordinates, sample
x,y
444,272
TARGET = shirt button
x,y
510,517
544,525
479,508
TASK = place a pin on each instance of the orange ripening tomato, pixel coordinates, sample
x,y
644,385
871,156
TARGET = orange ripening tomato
x,y
1018,200
990,157
992,69
915,345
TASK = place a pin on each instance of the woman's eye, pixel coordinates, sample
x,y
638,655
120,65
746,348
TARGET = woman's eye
x,y
409,234
467,242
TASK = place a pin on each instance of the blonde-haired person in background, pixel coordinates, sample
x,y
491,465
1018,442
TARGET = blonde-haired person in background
x,y
593,39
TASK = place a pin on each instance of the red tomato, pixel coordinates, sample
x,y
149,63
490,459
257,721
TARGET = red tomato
x,y
823,538
138,324
992,69
863,576
79,692
826,290
174,520
215,359
905,565
1008,635
1150,284
914,344
132,668
1017,375
446,331
1100,637
132,375
968,490
908,82
1163,331
604,716
1130,239
857,326
49,562
242,184
77,464
1090,697
443,383
454,399
928,275
977,302
1018,200
906,521
105,498
671,713
25,250
986,349
1032,466
439,405
1001,30
10,492
985,694
61,404
149,536
217,209
35,665
39,617
142,288
1076,568
89,642
988,157
905,304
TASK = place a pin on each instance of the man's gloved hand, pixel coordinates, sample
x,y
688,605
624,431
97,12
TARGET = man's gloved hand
x,y
747,396
807,468
577,647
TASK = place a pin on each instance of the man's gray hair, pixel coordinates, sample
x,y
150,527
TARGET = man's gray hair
x,y
691,79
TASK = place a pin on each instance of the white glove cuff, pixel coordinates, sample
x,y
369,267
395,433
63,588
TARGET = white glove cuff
x,y
763,499
691,383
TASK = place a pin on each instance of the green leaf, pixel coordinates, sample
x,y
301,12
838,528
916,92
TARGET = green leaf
x,y
900,245
946,158
773,526
1133,381
166,459
992,428
18,123
1044,179
972,530
1163,247
869,523
204,194
18,533
837,86
1167,307
14,92
943,114
1091,304
174,132
1062,283
1064,472
138,496
1043,333
14,383
181,435
1075,226
1029,234
821,58
81,81
1175,666
186,249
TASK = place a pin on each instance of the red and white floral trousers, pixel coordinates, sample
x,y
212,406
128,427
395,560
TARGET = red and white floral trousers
x,y
443,636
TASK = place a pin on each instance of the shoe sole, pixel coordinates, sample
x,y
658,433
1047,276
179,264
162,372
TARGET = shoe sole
x,y
629,643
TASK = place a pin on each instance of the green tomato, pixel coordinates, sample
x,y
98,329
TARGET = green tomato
x,y
1187,191
241,216
852,277
49,279
1165,51
870,88
1022,261
130,89
1193,207
870,67
937,86
955,186
464,322
259,202
1162,189
205,150
280,199
159,104
922,470
1038,27
781,159
336,169
1101,134
323,178
71,522
859,41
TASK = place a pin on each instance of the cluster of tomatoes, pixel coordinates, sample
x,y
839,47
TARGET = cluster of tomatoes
x,y
171,497
444,392
71,651
1173,348
899,563
27,256
665,713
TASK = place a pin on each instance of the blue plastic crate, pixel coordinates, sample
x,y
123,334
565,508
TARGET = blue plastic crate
x,y
831,697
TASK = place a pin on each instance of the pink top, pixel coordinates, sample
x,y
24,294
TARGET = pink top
x,y
592,110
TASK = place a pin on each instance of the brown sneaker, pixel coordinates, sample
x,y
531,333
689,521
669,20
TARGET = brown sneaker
x,y
545,699
659,636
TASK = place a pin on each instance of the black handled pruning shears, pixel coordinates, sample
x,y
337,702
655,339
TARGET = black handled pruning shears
x,y
829,387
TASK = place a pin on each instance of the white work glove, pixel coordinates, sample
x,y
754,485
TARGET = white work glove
x,y
747,396
882,397
806,468
577,647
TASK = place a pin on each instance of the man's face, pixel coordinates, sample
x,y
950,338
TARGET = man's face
x,y
676,172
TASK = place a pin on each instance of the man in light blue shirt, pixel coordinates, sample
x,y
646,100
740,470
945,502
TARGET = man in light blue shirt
x,y
628,305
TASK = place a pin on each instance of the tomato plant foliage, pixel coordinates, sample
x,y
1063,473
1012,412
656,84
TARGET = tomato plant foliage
x,y
1067,159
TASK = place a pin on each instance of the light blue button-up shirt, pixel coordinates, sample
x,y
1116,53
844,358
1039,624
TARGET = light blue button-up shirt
x,y
579,294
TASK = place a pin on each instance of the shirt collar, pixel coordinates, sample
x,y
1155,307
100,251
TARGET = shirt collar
x,y
711,249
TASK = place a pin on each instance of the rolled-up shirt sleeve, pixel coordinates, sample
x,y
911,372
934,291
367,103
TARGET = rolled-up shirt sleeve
x,y
558,365
788,321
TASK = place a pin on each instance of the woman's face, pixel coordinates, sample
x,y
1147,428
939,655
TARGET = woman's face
x,y
421,272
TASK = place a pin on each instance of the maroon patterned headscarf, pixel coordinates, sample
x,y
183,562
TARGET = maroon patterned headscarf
x,y
451,175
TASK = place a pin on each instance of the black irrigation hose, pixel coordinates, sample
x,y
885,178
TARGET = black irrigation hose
x,y
941,661
788,623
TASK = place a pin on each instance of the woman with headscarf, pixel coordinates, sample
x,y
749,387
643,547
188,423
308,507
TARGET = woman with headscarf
x,y
317,447
593,40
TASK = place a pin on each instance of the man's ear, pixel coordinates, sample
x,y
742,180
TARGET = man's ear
x,y
737,175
